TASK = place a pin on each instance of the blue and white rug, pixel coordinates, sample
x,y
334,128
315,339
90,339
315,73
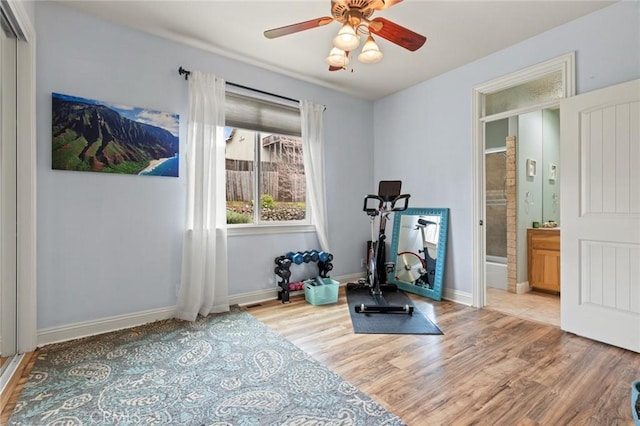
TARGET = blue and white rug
x,y
226,369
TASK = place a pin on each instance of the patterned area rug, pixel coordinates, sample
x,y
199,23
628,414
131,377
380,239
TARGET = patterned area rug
x,y
226,369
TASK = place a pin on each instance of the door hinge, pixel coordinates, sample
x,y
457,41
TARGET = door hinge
x,y
481,222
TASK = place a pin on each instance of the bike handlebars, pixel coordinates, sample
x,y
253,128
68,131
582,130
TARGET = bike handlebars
x,y
383,205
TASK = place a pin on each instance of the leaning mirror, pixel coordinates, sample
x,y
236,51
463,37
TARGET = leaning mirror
x,y
418,248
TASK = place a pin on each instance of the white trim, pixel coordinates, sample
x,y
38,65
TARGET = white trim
x,y
270,294
523,287
457,296
104,325
26,182
478,272
26,31
254,297
233,230
506,114
78,330
351,278
564,63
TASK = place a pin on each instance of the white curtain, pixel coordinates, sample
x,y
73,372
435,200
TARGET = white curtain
x,y
313,153
203,286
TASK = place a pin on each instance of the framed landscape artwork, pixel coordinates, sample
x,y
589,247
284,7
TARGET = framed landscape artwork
x,y
95,136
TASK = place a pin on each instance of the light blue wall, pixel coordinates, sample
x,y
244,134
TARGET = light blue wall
x,y
423,134
111,244
550,155
529,188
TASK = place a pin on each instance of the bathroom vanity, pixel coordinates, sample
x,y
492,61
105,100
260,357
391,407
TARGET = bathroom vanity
x,y
543,247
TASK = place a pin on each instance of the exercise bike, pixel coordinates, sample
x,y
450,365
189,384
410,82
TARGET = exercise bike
x,y
379,208
418,270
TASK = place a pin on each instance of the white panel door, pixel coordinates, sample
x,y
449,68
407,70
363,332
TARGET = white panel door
x,y
600,215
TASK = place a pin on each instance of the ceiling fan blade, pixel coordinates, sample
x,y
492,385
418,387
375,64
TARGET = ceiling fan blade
x,y
300,26
397,34
383,4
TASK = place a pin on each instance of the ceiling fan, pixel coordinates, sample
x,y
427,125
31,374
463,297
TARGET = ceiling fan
x,y
354,16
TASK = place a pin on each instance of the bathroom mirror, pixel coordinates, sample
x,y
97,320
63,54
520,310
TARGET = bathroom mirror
x,y
418,248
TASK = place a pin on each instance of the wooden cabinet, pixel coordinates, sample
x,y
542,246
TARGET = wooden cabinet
x,y
543,246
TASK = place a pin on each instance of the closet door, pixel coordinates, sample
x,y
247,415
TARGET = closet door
x,y
8,194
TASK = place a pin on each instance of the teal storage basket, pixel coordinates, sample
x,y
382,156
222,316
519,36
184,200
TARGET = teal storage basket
x,y
321,294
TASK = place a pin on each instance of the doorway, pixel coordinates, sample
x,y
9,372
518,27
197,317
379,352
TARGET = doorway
x,y
516,198
533,89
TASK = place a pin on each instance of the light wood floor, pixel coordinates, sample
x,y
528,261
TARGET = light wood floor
x,y
487,368
533,305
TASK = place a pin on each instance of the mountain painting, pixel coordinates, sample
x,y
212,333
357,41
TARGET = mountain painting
x,y
95,136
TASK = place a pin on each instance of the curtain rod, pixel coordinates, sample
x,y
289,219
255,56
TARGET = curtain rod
x,y
186,73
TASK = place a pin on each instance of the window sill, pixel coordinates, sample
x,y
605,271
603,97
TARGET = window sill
x,y
234,230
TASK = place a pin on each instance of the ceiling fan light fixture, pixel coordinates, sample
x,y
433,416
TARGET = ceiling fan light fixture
x,y
337,58
347,39
370,52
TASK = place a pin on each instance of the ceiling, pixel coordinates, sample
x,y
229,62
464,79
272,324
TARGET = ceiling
x,y
458,32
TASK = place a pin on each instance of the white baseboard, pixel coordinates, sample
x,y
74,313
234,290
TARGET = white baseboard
x,y
351,278
63,333
457,296
270,294
253,297
50,335
523,287
104,325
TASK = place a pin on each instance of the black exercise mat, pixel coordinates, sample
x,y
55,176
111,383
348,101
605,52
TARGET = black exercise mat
x,y
387,323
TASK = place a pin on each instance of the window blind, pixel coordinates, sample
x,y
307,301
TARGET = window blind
x,y
261,115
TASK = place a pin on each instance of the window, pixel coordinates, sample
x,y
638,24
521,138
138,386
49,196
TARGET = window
x,y
264,163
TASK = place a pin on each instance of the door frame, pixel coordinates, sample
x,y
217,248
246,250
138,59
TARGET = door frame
x,y
565,64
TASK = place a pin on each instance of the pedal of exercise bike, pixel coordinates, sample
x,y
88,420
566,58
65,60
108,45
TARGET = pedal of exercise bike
x,y
356,286
406,309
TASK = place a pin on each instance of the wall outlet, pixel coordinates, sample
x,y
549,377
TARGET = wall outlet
x,y
362,264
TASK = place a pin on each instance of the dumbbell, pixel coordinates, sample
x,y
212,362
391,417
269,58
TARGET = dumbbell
x,y
325,257
295,257
283,262
281,272
306,256
314,255
296,286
